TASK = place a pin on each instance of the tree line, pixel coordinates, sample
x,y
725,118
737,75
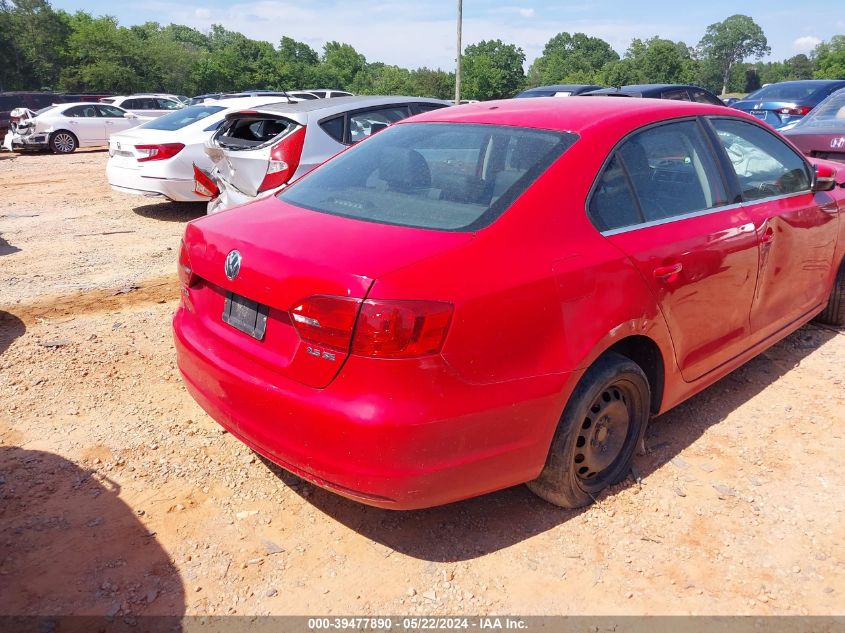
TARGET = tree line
x,y
43,48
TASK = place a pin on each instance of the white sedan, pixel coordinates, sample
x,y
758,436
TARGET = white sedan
x,y
66,126
157,158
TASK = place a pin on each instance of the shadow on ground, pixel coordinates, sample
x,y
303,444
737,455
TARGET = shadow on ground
x,y
172,211
70,547
473,528
11,328
6,248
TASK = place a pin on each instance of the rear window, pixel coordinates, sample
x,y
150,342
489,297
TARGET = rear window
x,y
787,92
829,113
444,176
247,132
182,118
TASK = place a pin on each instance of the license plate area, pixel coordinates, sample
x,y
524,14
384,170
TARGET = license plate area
x,y
250,317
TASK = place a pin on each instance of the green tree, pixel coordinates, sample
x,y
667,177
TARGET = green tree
x,y
234,62
730,42
102,56
31,44
339,65
297,64
492,69
651,61
575,58
437,84
829,58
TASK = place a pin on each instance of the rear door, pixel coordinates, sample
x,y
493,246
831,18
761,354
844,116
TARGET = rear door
x,y
84,122
113,119
796,228
663,201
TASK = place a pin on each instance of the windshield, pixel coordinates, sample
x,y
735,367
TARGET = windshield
x,y
178,119
786,92
445,176
829,113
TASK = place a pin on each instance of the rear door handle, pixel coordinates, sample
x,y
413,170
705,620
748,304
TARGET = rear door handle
x,y
665,272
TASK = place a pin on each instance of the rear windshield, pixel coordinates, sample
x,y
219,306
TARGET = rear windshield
x,y
445,176
178,119
829,113
786,92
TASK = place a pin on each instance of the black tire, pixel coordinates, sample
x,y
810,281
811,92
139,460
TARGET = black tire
x,y
63,142
834,312
598,433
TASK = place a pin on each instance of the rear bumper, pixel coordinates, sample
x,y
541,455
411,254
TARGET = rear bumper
x,y
132,181
30,141
396,434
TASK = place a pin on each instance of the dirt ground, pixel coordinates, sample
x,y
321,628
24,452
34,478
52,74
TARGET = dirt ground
x,y
119,496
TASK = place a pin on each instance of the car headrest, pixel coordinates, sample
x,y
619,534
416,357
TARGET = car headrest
x,y
635,159
404,169
527,151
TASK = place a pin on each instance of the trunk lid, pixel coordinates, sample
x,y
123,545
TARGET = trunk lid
x,y
122,145
770,111
289,254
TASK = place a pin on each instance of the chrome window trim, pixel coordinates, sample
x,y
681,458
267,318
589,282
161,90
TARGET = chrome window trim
x,y
697,214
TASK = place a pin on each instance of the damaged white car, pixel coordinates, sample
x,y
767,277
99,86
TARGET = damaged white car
x,y
258,151
65,127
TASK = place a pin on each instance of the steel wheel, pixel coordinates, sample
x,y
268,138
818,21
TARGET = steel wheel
x,y
603,432
597,434
63,142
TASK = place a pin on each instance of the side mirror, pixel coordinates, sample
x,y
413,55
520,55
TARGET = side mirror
x,y
130,115
824,178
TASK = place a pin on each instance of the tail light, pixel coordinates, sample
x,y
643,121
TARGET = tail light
x,y
204,184
284,160
796,111
401,329
376,328
158,152
325,320
186,276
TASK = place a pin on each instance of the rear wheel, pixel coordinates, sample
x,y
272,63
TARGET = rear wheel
x,y
63,142
598,433
834,312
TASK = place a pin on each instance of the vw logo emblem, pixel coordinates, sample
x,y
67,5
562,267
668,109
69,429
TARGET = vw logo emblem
x,y
838,143
232,265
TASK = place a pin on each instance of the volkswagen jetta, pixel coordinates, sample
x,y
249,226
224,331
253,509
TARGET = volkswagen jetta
x,y
504,292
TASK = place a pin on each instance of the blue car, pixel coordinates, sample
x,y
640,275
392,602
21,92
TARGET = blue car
x,y
787,101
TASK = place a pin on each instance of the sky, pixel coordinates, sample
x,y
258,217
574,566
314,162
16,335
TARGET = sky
x,y
422,32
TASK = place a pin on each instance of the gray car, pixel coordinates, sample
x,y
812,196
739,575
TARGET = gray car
x,y
256,152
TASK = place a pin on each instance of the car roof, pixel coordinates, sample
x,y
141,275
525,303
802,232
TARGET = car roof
x,y
561,87
640,89
574,115
342,104
808,82
237,103
79,103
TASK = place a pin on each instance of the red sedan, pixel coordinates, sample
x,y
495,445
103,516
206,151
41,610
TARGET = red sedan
x,y
504,292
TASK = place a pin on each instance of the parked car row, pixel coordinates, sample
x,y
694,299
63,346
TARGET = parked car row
x,y
230,151
780,105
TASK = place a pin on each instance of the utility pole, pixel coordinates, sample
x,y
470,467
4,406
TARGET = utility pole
x,y
458,67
